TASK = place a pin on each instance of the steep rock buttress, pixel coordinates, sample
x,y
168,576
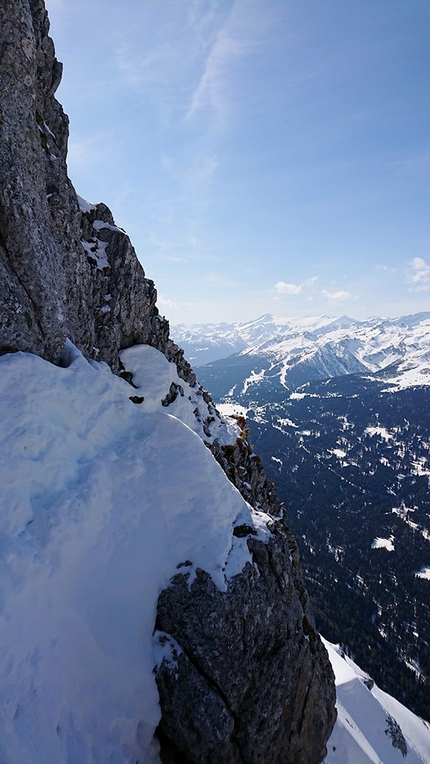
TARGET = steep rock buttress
x,y
249,680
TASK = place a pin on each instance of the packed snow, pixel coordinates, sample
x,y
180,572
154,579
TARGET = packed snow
x,y
338,452
232,409
381,543
424,573
84,205
96,249
381,431
254,378
101,500
98,225
287,423
372,727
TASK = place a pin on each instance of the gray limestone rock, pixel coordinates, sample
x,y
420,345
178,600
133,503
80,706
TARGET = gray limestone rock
x,y
64,272
252,682
251,658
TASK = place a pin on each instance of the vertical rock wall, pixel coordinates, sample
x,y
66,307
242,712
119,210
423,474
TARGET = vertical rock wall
x,y
64,272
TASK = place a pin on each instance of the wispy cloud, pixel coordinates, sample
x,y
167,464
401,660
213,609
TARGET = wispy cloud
x,y
217,280
157,53
164,302
284,287
169,303
341,296
140,71
176,246
212,89
185,64
385,268
418,275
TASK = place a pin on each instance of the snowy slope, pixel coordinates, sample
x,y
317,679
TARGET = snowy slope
x,y
372,727
101,500
319,347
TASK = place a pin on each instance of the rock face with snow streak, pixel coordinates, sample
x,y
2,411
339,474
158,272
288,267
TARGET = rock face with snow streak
x,y
67,271
250,683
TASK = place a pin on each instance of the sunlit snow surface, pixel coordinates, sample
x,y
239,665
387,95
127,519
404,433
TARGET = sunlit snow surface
x,y
380,543
366,715
100,500
424,573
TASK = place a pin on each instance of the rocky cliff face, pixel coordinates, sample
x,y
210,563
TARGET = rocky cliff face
x,y
64,272
251,681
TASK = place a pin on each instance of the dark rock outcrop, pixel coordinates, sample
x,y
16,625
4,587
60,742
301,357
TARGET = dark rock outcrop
x,y
250,660
251,682
252,668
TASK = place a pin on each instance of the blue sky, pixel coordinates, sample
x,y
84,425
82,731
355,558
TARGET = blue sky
x,y
263,155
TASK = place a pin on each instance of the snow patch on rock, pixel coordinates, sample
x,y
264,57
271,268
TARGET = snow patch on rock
x,y
380,543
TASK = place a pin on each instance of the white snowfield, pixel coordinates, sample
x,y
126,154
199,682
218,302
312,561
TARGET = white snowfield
x,y
101,499
372,727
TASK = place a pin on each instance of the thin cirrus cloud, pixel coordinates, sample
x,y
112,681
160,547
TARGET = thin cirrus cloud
x,y
140,72
418,275
167,65
385,268
167,303
239,34
211,90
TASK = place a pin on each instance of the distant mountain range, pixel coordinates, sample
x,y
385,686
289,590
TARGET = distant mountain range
x,y
281,354
339,410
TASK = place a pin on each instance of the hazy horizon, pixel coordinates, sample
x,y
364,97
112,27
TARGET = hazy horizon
x,y
281,319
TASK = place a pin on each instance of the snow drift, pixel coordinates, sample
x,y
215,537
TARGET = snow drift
x,y
101,500
372,727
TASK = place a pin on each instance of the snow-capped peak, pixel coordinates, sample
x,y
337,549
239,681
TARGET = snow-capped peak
x,y
401,345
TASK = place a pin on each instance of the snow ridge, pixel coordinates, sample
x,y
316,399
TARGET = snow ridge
x,y
371,727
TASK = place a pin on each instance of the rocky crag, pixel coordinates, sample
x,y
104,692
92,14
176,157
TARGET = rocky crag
x,y
251,681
